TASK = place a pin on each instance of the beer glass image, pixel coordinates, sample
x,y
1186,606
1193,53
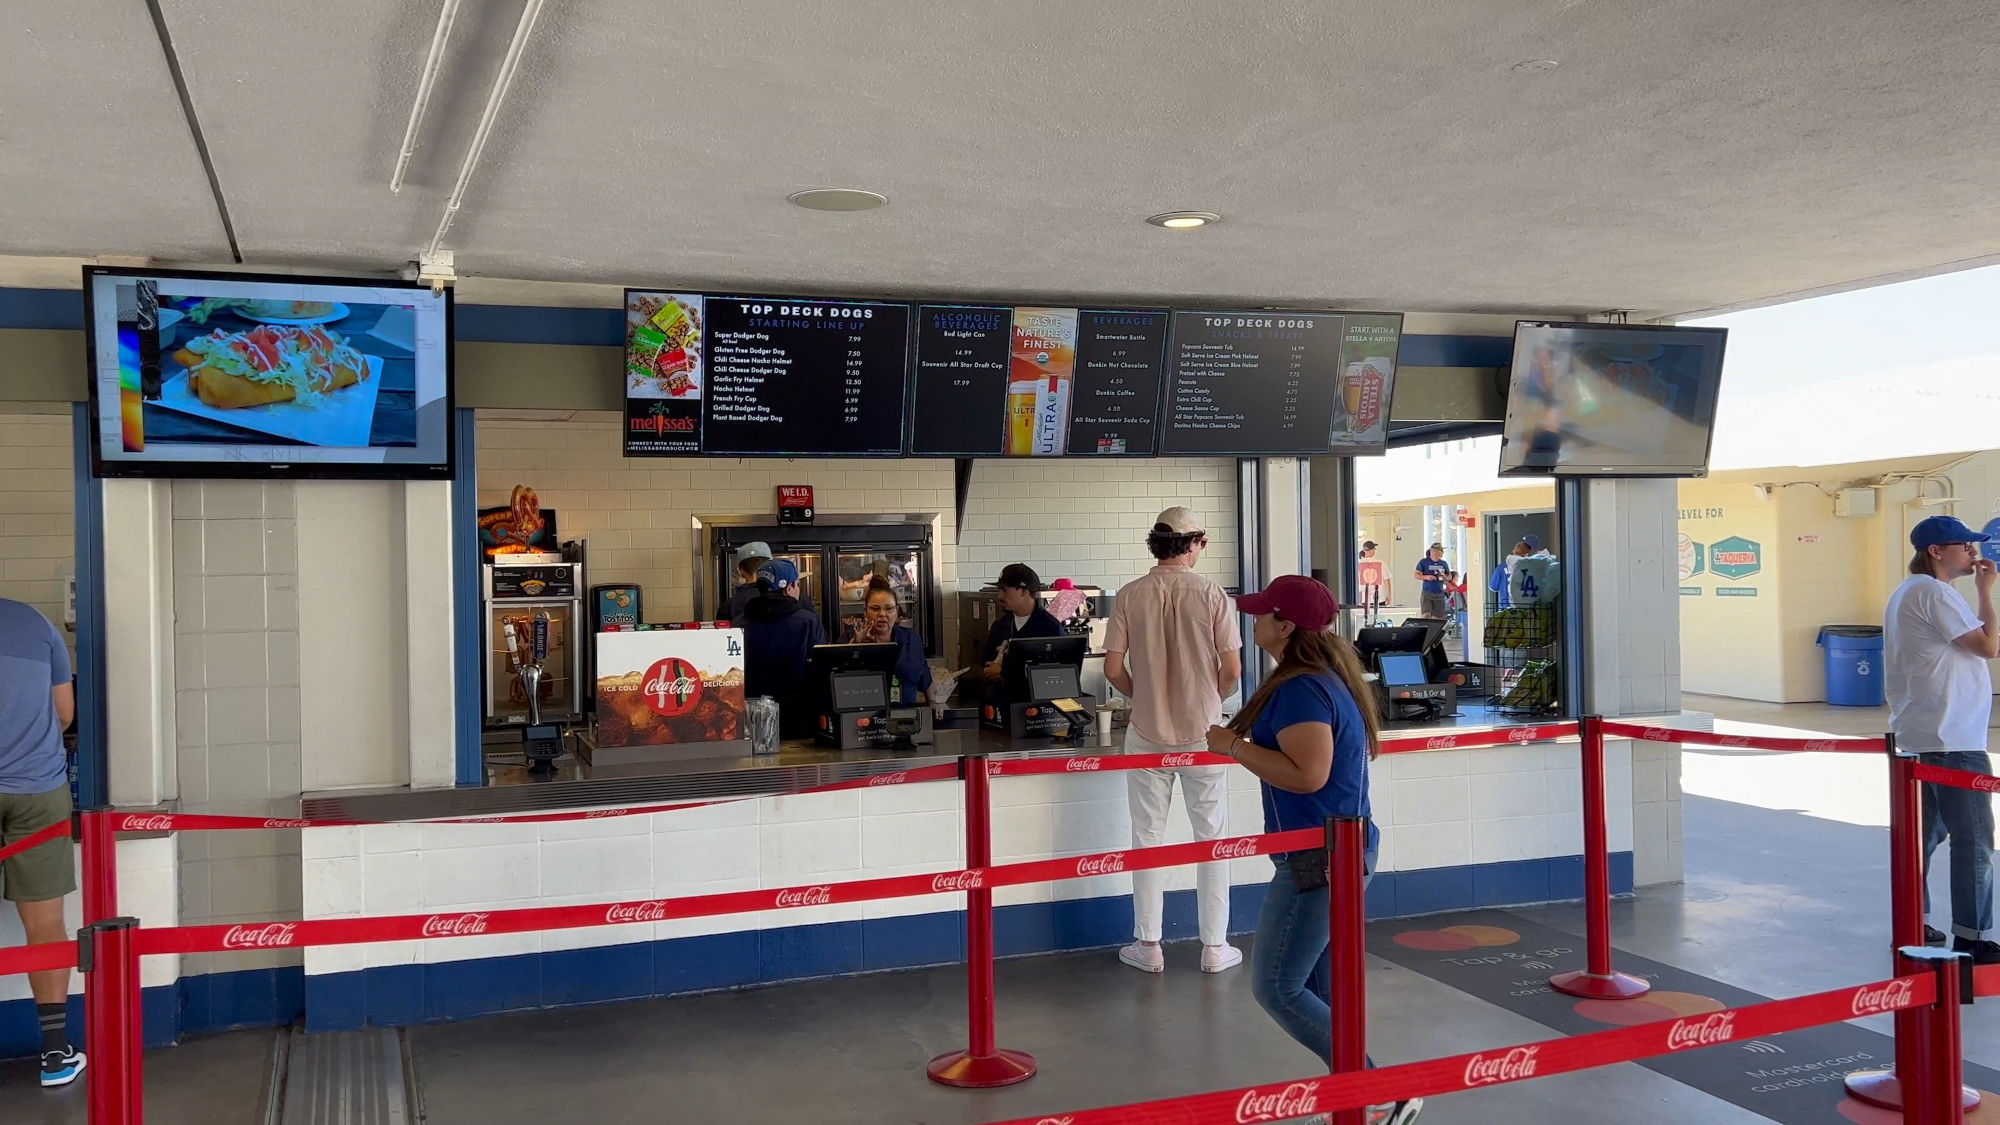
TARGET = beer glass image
x,y
1039,374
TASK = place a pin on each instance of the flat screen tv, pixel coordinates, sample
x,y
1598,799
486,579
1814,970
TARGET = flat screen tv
x,y
1611,400
256,375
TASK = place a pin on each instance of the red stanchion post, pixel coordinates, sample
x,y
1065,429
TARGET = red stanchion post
x,y
100,865
112,1021
1906,931
982,1064
1347,977
1597,981
1936,1095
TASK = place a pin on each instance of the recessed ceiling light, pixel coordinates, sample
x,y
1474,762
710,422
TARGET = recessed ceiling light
x,y
1534,66
838,199
1184,220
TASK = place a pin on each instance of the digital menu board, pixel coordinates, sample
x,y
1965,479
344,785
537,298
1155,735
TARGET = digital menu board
x,y
663,373
1031,381
1252,383
1367,383
803,377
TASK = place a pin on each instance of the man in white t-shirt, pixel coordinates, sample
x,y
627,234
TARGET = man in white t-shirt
x,y
1935,650
1174,647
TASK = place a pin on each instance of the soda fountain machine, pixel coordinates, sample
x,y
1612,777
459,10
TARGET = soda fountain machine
x,y
534,633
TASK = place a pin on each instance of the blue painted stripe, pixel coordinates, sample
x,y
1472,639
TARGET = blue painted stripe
x,y
535,324
189,1006
467,648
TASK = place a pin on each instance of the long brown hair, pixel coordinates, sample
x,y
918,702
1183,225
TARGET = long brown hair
x,y
1310,653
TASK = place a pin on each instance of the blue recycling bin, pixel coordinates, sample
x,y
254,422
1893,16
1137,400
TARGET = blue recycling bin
x,y
1853,664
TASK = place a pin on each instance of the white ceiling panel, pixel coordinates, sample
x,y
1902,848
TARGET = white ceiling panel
x,y
1683,155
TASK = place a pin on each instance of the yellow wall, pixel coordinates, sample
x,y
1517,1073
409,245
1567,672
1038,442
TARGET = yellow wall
x,y
1728,636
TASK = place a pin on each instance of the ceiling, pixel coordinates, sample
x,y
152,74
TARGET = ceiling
x,y
1685,155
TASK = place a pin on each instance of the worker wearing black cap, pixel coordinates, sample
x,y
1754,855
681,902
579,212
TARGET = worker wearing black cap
x,y
1021,615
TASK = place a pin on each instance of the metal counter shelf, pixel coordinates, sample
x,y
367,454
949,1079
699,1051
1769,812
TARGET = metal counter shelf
x,y
798,765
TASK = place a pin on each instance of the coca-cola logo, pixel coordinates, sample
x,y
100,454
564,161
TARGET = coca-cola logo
x,y
288,824
1242,848
1657,734
1295,1100
1732,740
1441,742
896,778
1177,759
1522,734
958,881
270,935
1704,1031
995,769
454,925
805,896
1068,1120
672,687
157,822
598,814
479,820
1819,744
654,911
1083,765
1515,1064
1986,783
1889,997
1101,864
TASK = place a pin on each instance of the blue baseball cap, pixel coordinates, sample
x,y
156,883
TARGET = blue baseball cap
x,y
780,573
1940,531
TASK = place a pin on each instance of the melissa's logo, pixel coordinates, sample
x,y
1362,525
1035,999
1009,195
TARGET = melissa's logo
x,y
1515,1064
1704,1031
1295,1100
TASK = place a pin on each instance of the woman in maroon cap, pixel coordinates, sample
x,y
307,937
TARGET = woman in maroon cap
x,y
1308,734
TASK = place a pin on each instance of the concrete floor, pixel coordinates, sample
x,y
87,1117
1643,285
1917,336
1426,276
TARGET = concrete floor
x,y
1786,894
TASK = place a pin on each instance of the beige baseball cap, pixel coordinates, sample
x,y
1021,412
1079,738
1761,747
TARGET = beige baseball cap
x,y
1178,521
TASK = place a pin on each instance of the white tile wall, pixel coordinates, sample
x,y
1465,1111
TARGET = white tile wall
x,y
1457,807
237,699
37,511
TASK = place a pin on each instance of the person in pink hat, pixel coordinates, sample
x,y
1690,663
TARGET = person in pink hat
x,y
1308,734
1173,647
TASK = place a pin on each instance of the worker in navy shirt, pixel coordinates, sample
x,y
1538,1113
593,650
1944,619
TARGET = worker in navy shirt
x,y
778,636
1432,571
878,626
1021,615
1308,734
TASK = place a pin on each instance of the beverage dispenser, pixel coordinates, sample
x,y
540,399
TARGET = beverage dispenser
x,y
535,636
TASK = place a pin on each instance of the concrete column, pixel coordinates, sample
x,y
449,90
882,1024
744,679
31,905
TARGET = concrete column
x,y
138,638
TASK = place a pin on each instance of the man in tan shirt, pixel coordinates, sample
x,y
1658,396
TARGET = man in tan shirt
x,y
1174,649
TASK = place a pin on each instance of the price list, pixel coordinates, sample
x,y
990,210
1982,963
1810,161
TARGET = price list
x,y
959,403
1252,383
804,377
1120,356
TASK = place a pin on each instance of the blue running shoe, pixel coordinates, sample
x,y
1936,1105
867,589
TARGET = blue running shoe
x,y
60,1068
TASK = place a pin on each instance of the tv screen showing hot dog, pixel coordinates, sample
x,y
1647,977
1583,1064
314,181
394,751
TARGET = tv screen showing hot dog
x,y
212,374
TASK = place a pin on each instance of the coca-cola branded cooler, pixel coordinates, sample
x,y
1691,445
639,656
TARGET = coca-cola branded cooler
x,y
668,694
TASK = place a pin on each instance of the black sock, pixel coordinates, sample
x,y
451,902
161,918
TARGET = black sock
x,y
55,1030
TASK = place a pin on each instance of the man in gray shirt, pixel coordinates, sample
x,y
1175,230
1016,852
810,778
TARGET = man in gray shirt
x,y
37,703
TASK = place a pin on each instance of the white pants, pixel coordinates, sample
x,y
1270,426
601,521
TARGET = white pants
x,y
1205,789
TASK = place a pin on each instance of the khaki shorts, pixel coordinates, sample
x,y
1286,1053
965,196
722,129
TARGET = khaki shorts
x,y
44,872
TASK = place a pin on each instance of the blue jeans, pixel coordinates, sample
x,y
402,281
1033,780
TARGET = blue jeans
x,y
1966,817
1289,973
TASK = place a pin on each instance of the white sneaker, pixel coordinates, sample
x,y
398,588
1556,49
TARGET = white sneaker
x,y
1216,958
1395,1113
1145,958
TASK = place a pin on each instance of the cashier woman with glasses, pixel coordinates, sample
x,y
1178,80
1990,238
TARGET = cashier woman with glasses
x,y
879,625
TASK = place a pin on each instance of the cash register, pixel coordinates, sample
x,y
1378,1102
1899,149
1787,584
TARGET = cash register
x,y
1040,694
857,711
1402,657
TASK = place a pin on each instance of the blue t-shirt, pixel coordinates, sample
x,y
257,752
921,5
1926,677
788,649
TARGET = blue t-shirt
x,y
33,660
1434,571
913,672
1317,699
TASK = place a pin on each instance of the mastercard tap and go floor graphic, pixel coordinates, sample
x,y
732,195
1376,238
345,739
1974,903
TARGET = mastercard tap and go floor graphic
x,y
1506,960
